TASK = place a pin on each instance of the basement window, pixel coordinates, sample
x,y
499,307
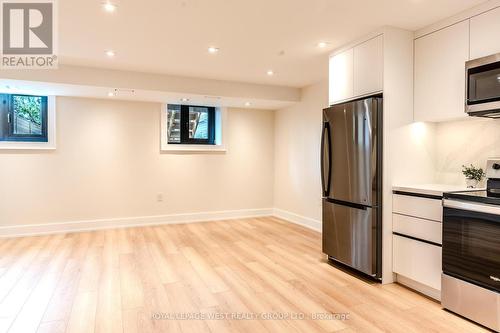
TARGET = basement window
x,y
192,128
188,124
23,118
27,121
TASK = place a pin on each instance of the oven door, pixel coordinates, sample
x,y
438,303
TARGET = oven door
x,y
471,243
483,86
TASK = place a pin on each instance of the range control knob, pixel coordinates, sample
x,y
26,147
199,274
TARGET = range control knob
x,y
496,166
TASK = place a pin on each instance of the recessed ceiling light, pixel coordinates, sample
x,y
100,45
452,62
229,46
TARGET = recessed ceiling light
x,y
213,50
270,72
248,103
184,99
111,94
109,7
110,53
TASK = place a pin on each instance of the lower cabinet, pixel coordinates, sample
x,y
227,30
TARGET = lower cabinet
x,y
426,230
418,261
417,238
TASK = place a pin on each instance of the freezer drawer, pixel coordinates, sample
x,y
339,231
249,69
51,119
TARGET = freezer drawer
x,y
351,236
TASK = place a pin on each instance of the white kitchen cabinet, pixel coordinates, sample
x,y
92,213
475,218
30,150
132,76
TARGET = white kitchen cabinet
x,y
369,66
418,261
425,208
440,73
427,230
357,71
341,76
417,239
485,34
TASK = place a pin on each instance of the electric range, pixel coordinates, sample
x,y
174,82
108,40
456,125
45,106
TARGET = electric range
x,y
471,251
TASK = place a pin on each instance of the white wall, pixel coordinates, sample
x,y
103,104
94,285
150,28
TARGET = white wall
x,y
473,140
414,154
108,165
297,179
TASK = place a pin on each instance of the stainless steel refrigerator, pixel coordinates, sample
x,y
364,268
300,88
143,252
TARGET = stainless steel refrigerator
x,y
351,172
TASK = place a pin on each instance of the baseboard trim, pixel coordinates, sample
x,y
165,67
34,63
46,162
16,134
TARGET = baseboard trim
x,y
127,222
419,287
298,219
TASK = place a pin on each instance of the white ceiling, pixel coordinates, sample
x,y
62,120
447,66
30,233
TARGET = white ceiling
x,y
172,36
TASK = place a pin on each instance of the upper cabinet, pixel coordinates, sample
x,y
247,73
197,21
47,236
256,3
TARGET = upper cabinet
x,y
440,73
485,34
341,76
357,71
369,66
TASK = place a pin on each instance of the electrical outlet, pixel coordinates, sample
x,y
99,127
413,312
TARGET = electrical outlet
x,y
159,197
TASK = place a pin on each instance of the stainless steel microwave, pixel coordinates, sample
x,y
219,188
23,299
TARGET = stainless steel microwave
x,y
482,94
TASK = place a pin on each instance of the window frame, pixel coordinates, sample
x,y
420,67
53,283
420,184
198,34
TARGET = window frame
x,y
184,127
50,145
221,135
11,136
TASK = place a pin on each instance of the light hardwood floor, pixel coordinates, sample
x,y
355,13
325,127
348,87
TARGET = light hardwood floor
x,y
120,280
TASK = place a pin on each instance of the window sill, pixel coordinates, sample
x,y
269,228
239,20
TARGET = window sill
x,y
194,149
16,145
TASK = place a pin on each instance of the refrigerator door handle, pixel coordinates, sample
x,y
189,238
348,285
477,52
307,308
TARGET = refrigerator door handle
x,y
326,136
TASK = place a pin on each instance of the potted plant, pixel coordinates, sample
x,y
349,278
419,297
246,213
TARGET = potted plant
x,y
472,175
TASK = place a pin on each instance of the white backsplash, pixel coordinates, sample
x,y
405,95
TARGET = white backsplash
x,y
472,140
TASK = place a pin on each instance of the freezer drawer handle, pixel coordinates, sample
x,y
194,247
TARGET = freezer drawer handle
x,y
348,204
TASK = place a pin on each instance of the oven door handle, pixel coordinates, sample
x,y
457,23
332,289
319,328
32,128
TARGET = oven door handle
x,y
474,207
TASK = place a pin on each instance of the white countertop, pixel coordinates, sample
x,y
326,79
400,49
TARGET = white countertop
x,y
432,189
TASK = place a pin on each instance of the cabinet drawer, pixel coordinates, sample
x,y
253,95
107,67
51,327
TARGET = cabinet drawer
x,y
424,208
423,229
418,261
